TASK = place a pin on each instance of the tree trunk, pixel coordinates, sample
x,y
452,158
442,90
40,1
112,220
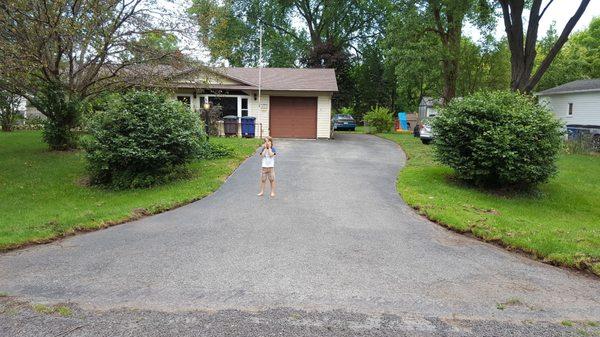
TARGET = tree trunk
x,y
450,76
523,52
7,126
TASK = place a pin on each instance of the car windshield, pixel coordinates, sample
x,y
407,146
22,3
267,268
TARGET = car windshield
x,y
345,117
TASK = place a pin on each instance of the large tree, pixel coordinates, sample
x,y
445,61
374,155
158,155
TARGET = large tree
x,y
57,53
424,39
414,58
523,41
374,80
445,20
311,33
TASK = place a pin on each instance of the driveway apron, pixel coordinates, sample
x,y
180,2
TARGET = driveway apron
x,y
337,236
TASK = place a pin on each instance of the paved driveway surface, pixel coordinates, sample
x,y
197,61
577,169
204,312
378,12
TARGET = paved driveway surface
x,y
336,237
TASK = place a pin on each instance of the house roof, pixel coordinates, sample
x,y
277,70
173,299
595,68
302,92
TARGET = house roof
x,y
430,101
285,79
571,87
272,79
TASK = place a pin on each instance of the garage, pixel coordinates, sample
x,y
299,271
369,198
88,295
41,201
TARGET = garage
x,y
293,117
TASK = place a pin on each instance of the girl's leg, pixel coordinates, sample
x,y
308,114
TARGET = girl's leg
x,y
261,183
272,181
273,187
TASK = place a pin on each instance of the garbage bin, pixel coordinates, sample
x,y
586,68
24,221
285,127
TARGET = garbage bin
x,y
230,124
248,126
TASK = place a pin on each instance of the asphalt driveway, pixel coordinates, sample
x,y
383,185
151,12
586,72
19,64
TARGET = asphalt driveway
x,y
336,237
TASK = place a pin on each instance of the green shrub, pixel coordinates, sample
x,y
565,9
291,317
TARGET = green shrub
x,y
379,120
142,138
214,151
345,111
63,110
498,139
9,110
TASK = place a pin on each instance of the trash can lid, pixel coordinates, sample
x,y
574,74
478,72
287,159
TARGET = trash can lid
x,y
248,117
230,117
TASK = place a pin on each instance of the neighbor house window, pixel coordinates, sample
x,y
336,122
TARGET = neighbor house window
x,y
570,109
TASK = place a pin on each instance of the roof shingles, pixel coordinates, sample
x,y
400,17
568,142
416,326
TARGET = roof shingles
x,y
285,79
575,86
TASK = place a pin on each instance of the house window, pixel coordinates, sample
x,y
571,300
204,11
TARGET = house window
x,y
570,109
244,107
187,99
230,105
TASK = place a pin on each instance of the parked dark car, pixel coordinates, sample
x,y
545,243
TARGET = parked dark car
x,y
343,122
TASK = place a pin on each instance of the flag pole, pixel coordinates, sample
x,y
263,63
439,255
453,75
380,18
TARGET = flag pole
x,y
260,61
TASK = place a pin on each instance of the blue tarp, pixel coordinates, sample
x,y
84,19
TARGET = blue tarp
x,y
403,121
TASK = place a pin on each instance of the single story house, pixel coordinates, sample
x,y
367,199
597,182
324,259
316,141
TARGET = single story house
x,y
577,104
428,107
293,102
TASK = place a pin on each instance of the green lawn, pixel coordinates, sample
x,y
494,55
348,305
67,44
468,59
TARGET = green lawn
x,y
559,223
43,196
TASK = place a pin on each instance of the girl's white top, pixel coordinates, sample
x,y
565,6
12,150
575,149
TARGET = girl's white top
x,y
268,161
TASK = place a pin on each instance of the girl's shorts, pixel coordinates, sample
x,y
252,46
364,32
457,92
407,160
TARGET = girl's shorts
x,y
267,173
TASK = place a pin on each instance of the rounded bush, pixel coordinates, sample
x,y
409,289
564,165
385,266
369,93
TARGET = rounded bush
x,y
498,139
379,119
141,139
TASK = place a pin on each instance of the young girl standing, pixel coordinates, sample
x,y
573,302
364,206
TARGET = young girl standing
x,y
267,153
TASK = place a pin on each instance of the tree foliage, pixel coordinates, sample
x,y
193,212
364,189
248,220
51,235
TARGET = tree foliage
x,y
523,41
578,59
58,53
311,33
444,20
9,110
374,81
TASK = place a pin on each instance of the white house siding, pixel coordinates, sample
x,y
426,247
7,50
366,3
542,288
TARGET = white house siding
x,y
431,112
261,113
324,116
586,107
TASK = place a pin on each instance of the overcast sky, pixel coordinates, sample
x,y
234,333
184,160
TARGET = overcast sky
x,y
560,11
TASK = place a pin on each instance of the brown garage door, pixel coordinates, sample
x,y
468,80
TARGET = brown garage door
x,y
293,117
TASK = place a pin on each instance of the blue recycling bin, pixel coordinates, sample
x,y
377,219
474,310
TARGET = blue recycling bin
x,y
248,126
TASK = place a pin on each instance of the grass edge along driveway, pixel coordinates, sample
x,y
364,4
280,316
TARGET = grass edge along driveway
x,y
558,224
43,197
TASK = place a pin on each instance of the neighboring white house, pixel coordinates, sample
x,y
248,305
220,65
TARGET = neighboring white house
x,y
576,103
294,103
428,107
